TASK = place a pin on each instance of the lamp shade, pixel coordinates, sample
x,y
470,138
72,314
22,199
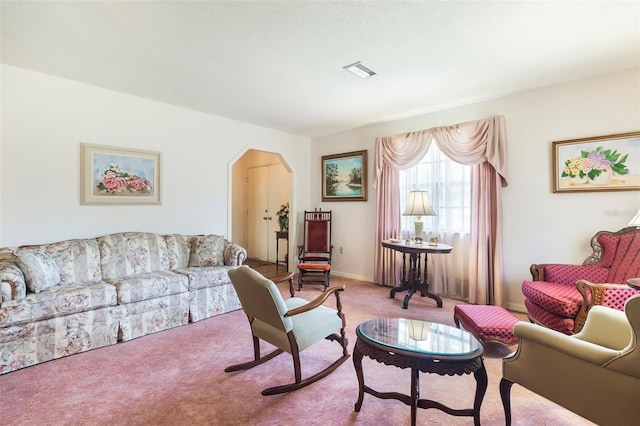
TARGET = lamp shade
x,y
419,204
636,220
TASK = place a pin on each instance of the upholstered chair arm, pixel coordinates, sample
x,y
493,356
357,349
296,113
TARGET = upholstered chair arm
x,y
542,336
611,295
629,361
606,327
567,274
317,302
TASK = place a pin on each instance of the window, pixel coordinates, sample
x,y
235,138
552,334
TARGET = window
x,y
449,186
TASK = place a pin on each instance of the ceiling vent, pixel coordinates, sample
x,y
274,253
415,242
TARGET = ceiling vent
x,y
359,70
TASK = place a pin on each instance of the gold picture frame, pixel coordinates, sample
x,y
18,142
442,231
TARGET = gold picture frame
x,y
344,176
115,175
600,163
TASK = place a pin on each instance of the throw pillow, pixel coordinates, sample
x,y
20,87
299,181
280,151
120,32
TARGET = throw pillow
x,y
207,250
39,269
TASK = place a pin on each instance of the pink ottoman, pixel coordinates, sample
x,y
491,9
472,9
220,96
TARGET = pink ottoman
x,y
487,323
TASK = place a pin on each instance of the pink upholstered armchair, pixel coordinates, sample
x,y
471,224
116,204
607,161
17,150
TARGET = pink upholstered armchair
x,y
560,296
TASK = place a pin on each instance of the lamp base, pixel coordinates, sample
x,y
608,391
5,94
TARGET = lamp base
x,y
418,229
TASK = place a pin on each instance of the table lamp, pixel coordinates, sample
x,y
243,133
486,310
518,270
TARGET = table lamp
x,y
635,221
419,205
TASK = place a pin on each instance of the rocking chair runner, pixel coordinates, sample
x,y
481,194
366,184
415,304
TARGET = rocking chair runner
x,y
291,325
315,252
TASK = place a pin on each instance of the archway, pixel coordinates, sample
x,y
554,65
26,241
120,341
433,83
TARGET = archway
x,y
261,183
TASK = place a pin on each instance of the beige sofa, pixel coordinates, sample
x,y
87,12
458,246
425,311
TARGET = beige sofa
x,y
71,296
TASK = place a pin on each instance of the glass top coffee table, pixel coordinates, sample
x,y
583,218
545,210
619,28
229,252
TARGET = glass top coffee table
x,y
422,346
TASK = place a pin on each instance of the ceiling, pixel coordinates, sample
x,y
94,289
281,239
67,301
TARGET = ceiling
x,y
279,64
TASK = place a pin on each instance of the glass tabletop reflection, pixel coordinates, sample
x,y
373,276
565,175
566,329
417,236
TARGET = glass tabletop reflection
x,y
420,338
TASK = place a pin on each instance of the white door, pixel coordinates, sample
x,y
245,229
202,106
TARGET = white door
x,y
267,190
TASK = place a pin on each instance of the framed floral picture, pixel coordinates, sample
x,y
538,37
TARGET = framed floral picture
x,y
601,163
344,176
113,175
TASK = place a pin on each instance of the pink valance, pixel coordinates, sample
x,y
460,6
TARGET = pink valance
x,y
470,143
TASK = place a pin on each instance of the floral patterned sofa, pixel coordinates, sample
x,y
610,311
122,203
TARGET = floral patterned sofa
x,y
72,296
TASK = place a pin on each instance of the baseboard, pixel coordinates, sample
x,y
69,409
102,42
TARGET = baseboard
x,y
517,307
352,276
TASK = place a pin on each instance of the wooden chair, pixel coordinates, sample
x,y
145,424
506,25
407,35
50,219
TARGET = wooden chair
x,y
314,254
292,325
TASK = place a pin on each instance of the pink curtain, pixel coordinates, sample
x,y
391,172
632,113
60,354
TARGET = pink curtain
x,y
481,144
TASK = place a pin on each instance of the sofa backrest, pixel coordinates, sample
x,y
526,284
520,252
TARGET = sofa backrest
x,y
626,262
77,260
132,253
620,252
179,247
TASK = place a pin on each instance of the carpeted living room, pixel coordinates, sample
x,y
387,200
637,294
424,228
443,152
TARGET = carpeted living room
x,y
177,377
470,170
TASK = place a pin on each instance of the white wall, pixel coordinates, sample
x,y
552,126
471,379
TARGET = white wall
x,y
539,226
44,120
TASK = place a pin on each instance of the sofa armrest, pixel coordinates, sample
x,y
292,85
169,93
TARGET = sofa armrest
x,y
610,295
606,327
234,254
569,345
13,285
567,274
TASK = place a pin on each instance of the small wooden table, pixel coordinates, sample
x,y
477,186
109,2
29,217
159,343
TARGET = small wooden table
x,y
284,235
415,283
423,347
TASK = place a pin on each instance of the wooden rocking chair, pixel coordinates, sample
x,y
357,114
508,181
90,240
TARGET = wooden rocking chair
x,y
291,325
315,252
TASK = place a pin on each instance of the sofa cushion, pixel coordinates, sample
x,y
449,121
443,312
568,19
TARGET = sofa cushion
x,y
59,300
179,247
131,253
148,286
563,300
207,250
555,322
39,269
78,260
204,276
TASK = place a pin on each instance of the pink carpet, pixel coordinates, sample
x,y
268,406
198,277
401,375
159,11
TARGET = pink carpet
x,y
176,377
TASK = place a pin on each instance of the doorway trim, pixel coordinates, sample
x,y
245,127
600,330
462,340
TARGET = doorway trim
x,y
293,225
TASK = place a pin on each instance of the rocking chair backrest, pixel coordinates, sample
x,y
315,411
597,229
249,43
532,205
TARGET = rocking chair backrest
x,y
260,298
317,232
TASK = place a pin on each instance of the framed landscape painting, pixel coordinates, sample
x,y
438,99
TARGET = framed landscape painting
x,y
113,175
344,176
601,163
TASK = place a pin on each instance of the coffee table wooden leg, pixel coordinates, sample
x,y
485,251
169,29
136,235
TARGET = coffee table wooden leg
x,y
357,363
481,389
415,394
